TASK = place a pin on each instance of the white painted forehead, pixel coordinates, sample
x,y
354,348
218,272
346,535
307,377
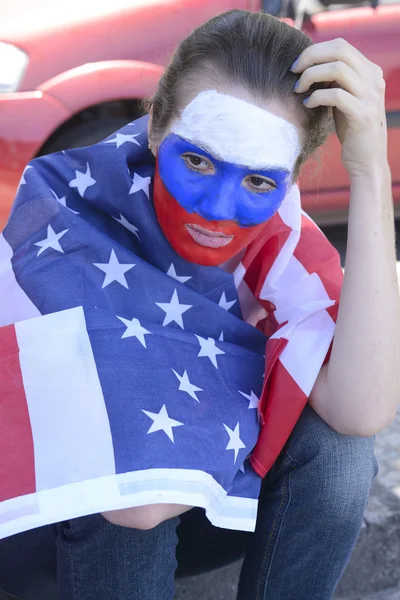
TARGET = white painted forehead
x,y
239,132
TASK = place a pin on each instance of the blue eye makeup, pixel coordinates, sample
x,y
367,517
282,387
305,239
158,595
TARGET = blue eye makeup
x,y
218,190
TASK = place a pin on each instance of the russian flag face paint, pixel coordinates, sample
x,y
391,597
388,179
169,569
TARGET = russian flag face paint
x,y
222,172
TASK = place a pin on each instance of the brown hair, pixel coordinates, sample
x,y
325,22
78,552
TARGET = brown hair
x,y
254,50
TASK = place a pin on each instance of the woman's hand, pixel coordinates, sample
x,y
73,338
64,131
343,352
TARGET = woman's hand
x,y
356,93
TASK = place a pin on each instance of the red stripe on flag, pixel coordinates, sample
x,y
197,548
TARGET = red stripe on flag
x,y
286,402
17,466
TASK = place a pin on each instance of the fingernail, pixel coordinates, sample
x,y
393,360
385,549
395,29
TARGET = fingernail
x,y
295,64
296,85
305,101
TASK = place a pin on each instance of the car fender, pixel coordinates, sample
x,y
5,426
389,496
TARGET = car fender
x,y
95,83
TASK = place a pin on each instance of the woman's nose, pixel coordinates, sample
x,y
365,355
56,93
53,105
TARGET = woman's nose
x,y
218,205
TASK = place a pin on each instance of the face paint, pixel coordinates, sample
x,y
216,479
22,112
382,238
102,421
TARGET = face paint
x,y
196,239
222,172
219,190
238,132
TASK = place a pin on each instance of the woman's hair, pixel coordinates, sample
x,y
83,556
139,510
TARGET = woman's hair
x,y
252,50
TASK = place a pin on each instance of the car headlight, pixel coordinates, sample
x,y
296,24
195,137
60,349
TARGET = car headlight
x,y
13,62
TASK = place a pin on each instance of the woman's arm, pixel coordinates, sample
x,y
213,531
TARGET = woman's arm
x,y
358,391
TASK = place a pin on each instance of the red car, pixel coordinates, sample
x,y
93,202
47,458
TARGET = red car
x,y
73,72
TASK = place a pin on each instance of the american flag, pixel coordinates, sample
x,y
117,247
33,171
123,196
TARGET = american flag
x,y
129,376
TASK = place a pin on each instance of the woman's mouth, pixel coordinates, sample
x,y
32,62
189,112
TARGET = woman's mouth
x,y
205,237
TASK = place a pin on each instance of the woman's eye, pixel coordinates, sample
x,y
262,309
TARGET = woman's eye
x,y
257,183
198,163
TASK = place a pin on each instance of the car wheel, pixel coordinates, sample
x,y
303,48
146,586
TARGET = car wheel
x,y
83,134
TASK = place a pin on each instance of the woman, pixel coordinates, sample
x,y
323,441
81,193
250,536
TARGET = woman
x,y
240,108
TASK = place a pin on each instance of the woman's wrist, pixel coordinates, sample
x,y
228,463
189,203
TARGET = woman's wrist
x,y
378,171
371,190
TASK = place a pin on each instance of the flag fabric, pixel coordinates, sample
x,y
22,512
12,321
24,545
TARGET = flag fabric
x,y
129,376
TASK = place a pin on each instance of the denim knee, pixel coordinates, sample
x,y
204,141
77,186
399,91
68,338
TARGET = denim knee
x,y
101,561
340,468
310,513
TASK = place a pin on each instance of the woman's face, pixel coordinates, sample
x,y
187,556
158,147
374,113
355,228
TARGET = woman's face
x,y
223,169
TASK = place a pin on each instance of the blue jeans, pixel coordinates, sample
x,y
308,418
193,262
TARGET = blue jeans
x,y
310,515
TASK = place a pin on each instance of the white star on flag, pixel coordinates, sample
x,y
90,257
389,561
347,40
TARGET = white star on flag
x,y
252,398
172,273
63,202
235,443
82,181
173,310
223,303
114,271
51,241
221,337
121,138
122,221
242,468
209,349
162,422
23,180
140,183
186,386
134,329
